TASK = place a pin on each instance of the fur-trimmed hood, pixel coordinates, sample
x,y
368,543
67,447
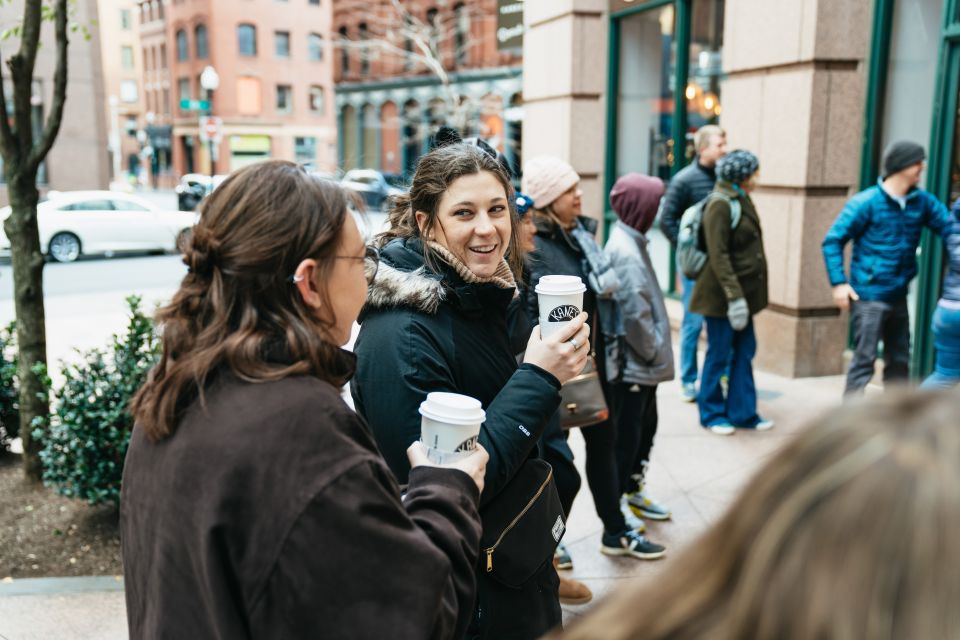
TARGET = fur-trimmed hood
x,y
404,280
394,287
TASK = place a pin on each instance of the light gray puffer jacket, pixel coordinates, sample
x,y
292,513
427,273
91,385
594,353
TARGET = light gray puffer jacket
x,y
644,354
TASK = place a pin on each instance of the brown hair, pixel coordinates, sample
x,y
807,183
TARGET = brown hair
x,y
436,171
236,302
848,532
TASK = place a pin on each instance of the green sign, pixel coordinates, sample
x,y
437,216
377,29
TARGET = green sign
x,y
509,24
194,105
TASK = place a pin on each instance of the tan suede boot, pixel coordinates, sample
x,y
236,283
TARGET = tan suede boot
x,y
573,591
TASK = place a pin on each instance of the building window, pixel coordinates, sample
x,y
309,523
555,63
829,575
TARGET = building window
x,y
247,39
129,92
284,98
126,57
305,149
281,44
344,51
163,56
315,3
203,47
407,42
461,34
183,50
315,46
183,90
125,19
317,99
364,49
248,96
165,106
433,21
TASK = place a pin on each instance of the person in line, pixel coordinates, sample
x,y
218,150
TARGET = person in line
x,y
436,320
692,184
555,188
946,318
642,357
730,290
553,442
884,222
847,532
255,503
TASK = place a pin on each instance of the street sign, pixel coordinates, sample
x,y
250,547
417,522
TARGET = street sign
x,y
211,128
194,105
509,24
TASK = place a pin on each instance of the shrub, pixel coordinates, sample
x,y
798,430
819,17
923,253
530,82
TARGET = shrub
x,y
86,440
9,386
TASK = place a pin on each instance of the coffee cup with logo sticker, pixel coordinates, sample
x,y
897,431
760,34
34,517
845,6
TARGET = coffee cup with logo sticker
x,y
449,425
561,301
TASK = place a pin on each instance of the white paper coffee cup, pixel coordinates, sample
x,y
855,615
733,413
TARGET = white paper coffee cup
x,y
561,300
450,425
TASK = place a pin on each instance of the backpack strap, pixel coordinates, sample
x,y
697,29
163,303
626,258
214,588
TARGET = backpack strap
x,y
734,204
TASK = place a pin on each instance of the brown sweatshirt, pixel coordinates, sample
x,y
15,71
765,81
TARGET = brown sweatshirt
x,y
270,514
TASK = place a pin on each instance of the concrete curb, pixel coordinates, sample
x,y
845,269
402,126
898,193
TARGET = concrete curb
x,y
57,586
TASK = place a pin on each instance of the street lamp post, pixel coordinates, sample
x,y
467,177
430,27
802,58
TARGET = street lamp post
x,y
210,81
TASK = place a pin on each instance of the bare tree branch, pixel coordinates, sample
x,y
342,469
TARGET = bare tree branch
x,y
54,120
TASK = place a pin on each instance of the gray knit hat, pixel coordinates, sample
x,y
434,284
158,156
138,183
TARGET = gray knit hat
x,y
737,166
900,155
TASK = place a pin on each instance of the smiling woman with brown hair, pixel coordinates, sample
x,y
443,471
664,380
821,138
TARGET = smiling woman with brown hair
x,y
436,320
255,503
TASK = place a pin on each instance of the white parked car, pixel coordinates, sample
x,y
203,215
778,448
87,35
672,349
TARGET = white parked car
x,y
73,223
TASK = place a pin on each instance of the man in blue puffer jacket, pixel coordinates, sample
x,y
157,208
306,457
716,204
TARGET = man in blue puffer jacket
x,y
884,222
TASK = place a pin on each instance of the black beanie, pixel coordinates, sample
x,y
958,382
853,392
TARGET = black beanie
x,y
900,155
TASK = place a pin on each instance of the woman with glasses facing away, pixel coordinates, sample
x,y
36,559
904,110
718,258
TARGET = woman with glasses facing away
x,y
255,503
436,320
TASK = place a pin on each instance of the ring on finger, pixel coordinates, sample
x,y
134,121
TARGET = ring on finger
x,y
576,345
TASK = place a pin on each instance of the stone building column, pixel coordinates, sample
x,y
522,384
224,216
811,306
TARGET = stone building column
x,y
794,95
564,80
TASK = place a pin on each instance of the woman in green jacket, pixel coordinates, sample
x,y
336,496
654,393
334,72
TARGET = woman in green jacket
x,y
731,288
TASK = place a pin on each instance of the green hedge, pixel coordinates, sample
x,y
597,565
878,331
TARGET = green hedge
x,y
9,386
86,438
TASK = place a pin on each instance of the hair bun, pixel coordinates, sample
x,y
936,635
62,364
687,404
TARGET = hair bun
x,y
203,253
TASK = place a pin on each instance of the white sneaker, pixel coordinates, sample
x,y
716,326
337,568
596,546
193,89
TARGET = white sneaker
x,y
633,522
764,425
723,429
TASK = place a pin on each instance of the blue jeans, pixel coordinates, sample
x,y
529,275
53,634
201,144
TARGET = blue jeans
x,y
736,348
946,338
690,329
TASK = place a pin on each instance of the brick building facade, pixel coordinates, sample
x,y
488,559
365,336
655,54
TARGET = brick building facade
x,y
400,74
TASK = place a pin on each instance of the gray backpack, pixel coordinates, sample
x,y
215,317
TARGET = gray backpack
x,y
691,252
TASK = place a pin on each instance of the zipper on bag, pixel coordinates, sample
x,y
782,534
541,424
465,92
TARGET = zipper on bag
x,y
512,524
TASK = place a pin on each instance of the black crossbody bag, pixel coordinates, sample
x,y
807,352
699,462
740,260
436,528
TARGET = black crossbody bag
x,y
522,525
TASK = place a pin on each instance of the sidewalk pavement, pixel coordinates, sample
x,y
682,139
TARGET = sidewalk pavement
x,y
696,473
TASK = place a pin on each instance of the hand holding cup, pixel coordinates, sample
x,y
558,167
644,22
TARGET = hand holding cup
x,y
474,464
563,354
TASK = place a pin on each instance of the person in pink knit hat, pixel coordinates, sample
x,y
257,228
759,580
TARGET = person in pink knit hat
x,y
564,246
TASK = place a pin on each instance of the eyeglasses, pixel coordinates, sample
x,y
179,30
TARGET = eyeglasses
x,y
371,263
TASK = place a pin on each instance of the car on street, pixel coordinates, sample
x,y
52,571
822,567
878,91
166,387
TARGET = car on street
x,y
371,186
193,187
75,223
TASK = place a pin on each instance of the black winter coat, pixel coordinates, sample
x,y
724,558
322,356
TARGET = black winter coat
x,y
423,331
692,184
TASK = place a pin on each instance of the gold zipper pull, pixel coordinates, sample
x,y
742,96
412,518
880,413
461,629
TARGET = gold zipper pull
x,y
489,560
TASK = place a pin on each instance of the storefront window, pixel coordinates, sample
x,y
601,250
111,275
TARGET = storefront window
x,y
955,158
911,71
644,130
706,70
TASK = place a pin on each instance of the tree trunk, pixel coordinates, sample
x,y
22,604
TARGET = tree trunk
x,y
27,259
